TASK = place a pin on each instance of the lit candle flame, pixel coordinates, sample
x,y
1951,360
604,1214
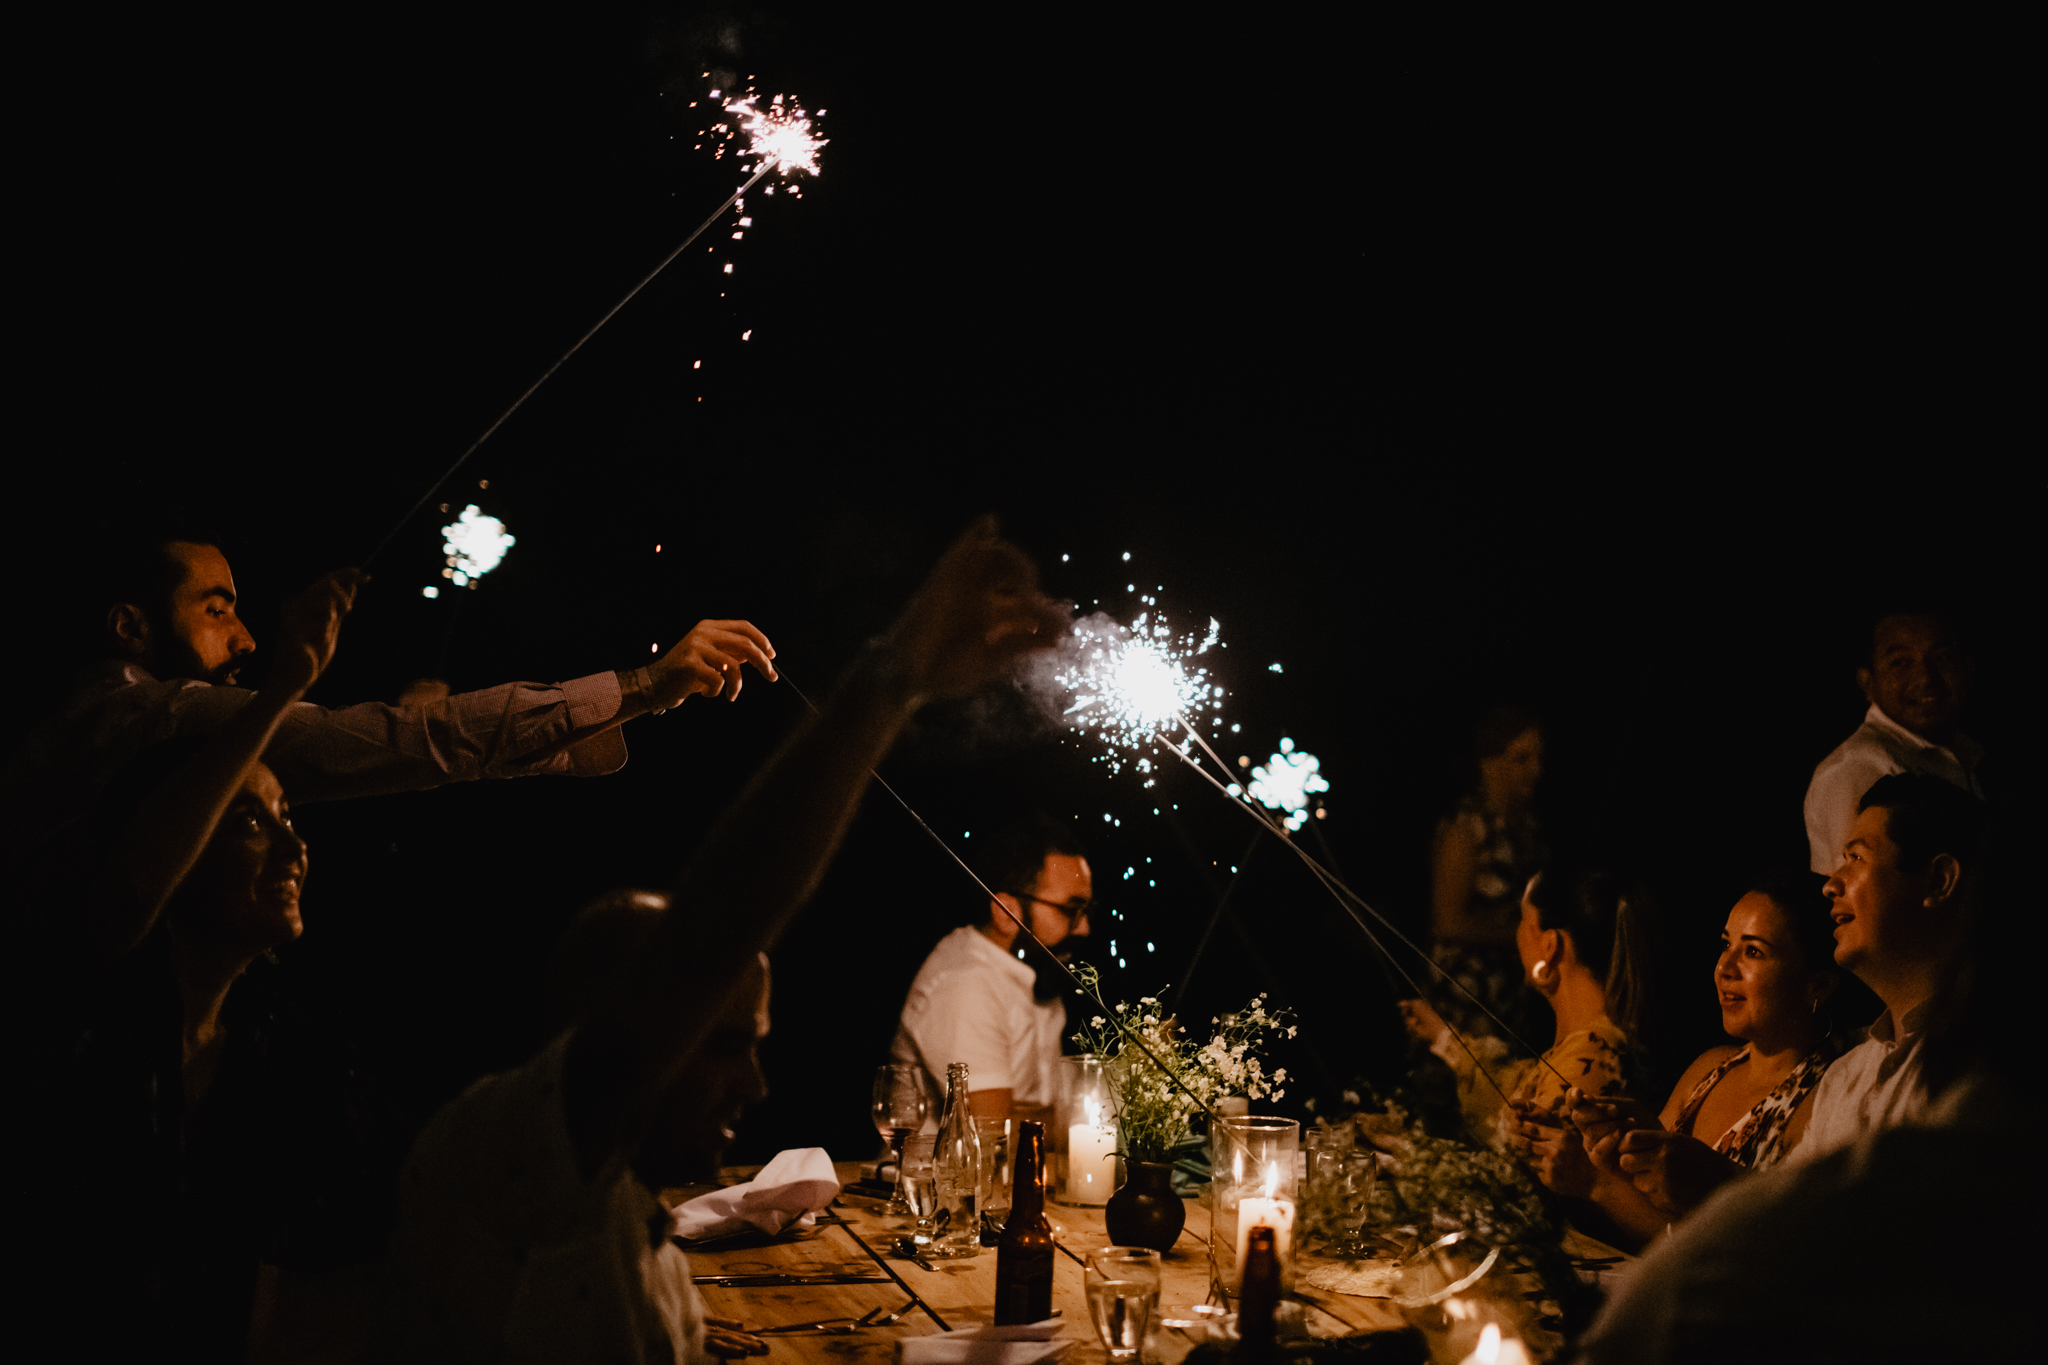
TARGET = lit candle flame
x,y
1272,1179
1489,1345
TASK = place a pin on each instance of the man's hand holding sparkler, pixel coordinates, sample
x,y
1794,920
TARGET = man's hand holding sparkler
x,y
312,628
708,662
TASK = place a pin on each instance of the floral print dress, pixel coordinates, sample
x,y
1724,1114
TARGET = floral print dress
x,y
1757,1139
1508,851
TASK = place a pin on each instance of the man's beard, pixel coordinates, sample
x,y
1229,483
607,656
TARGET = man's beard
x,y
1050,980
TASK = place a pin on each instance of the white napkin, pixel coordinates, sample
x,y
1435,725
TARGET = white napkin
x,y
1020,1345
789,1190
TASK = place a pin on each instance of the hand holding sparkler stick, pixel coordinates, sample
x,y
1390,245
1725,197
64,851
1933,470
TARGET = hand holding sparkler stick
x,y
707,662
312,628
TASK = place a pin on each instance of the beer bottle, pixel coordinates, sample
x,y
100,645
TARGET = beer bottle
x,y
1024,1251
1257,1340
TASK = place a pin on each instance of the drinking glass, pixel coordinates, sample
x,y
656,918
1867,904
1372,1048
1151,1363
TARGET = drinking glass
x,y
918,1183
996,1174
1123,1291
1350,1179
900,1106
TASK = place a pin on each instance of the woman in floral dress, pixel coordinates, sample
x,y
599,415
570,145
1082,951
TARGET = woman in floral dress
x,y
1740,1106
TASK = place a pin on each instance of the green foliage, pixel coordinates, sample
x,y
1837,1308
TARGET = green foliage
x,y
1152,1111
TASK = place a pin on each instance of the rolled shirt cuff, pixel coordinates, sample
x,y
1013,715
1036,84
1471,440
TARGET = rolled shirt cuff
x,y
592,701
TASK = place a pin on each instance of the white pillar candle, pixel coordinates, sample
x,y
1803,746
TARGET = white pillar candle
x,y
1255,1211
1091,1164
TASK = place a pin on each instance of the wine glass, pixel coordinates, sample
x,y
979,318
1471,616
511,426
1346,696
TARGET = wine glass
x,y
900,1107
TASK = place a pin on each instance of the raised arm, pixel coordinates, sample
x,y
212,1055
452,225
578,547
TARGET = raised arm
x,y
171,826
975,615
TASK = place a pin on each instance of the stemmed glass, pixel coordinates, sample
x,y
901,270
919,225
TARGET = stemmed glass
x,y
900,1108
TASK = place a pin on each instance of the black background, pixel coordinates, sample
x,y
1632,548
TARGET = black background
x,y
1621,366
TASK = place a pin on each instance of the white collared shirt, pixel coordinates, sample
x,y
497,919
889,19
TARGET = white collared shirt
x,y
1881,746
1873,1086
972,1002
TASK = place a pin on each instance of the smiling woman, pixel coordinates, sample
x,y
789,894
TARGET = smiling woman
x,y
1739,1106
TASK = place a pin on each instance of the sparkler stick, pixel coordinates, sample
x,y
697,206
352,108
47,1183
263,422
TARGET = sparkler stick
x,y
1346,897
782,139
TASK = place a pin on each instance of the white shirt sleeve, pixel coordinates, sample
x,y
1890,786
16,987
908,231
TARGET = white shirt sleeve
x,y
1831,798
960,1019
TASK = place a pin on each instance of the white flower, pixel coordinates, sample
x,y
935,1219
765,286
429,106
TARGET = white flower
x,y
1097,1022
1293,1029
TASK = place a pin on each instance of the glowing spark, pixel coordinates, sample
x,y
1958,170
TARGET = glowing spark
x,y
1286,782
1133,685
780,134
474,544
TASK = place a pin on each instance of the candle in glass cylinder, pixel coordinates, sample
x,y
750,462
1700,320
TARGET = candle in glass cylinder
x,y
1267,1210
1091,1160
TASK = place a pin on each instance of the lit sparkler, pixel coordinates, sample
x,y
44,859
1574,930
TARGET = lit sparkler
x,y
1131,683
475,544
779,137
1287,781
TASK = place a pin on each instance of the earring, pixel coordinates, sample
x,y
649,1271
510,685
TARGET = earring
x,y
1541,973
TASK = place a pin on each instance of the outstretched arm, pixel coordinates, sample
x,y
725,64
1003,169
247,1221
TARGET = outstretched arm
x,y
707,662
171,827
975,615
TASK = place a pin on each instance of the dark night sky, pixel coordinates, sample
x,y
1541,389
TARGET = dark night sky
x,y
1443,360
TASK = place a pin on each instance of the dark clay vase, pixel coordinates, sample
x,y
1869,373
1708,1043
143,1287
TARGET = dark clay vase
x,y
1145,1212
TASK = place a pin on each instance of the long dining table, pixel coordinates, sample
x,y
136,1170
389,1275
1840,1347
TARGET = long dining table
x,y
849,1272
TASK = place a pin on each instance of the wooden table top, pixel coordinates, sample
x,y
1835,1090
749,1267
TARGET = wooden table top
x,y
957,1293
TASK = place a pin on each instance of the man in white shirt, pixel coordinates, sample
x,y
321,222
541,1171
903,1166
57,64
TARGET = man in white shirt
x,y
1902,897
987,996
1915,681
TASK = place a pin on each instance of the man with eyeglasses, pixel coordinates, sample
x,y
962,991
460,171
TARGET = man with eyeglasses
x,y
989,996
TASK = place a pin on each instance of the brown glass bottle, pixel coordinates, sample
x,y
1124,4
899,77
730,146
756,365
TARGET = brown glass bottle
x,y
1257,1341
1024,1251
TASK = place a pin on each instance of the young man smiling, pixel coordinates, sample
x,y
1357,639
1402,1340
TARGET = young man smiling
x,y
1902,894
1916,682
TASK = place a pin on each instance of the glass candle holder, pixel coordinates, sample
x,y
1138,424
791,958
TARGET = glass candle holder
x,y
1256,1182
1084,1134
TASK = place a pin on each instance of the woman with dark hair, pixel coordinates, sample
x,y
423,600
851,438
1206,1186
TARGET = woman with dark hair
x,y
1582,951
1484,853
1739,1106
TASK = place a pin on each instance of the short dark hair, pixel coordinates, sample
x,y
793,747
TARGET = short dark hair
x,y
135,567
1927,817
1499,727
587,969
1018,852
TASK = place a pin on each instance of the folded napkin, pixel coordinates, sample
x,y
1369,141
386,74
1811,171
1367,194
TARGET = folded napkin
x,y
1021,1345
788,1191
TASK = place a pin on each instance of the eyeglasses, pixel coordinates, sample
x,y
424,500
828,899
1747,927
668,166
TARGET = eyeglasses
x,y
1075,911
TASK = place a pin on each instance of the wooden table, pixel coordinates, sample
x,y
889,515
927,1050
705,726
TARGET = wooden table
x,y
958,1293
